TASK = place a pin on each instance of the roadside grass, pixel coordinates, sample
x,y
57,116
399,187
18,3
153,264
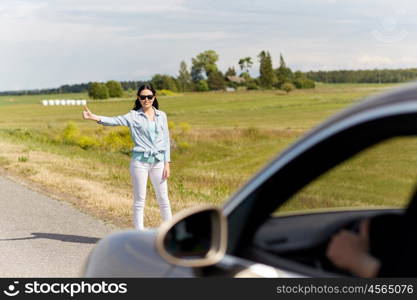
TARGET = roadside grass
x,y
230,137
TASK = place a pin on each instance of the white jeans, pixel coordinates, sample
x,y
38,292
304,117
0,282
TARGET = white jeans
x,y
139,172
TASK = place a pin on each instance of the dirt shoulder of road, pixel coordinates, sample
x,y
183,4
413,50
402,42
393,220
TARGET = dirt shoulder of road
x,y
53,175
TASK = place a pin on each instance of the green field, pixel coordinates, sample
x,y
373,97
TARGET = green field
x,y
222,139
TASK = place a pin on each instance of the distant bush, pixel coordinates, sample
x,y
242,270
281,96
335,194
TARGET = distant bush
x,y
164,82
287,86
166,93
115,88
304,83
98,90
251,85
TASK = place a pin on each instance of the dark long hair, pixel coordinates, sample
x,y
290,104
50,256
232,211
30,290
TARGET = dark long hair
x,y
146,87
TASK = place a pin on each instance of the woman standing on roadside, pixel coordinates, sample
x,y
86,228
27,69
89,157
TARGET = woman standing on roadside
x,y
151,152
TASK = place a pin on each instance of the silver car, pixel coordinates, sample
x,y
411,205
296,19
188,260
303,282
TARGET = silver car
x,y
245,238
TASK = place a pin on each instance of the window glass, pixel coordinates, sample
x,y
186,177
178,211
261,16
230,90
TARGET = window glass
x,y
383,175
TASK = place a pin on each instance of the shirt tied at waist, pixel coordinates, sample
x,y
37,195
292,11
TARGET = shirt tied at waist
x,y
149,156
159,155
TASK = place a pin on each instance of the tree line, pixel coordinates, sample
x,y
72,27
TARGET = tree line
x,y
204,75
363,76
74,88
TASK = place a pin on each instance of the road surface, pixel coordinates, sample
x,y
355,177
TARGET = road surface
x,y
43,237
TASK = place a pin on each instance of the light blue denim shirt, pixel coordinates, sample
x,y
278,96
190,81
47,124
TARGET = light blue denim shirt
x,y
137,122
140,156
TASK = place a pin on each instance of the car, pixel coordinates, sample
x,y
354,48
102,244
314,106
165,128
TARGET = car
x,y
245,237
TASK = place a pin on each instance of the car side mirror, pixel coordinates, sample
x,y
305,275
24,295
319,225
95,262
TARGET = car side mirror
x,y
193,237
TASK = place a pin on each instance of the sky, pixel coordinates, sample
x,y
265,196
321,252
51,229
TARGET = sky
x,y
48,43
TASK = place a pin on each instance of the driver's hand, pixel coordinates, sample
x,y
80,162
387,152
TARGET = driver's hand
x,y
350,251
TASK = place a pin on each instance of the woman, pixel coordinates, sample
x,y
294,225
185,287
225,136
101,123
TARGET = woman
x,y
151,153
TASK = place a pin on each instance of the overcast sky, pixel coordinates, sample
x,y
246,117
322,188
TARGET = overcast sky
x,y
47,43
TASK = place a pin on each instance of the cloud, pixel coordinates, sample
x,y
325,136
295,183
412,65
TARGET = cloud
x,y
20,9
215,35
125,6
376,61
369,60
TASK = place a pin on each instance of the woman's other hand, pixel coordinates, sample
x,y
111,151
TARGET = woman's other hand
x,y
165,173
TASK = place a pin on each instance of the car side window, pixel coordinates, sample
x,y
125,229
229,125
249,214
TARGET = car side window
x,y
381,176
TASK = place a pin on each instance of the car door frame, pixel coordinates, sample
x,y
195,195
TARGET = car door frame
x,y
376,119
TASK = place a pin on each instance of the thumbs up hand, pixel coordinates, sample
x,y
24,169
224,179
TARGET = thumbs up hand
x,y
88,115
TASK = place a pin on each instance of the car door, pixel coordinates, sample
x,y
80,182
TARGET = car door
x,y
378,119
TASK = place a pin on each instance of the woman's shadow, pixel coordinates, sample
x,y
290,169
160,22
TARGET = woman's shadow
x,y
60,237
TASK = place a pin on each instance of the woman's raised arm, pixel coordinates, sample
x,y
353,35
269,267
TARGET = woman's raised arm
x,y
123,120
88,115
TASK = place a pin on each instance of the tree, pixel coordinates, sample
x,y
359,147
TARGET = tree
x,y
215,80
283,73
98,90
184,78
196,72
115,88
245,64
204,62
202,86
282,63
207,60
267,75
230,72
246,76
164,82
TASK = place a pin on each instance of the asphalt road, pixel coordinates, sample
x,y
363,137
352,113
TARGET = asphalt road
x,y
43,237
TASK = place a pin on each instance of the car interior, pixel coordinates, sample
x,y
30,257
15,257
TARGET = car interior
x,y
299,242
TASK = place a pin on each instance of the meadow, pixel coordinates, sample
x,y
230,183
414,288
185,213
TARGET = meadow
x,y
221,140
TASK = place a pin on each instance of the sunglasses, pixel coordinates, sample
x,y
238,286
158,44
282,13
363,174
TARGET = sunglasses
x,y
149,97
